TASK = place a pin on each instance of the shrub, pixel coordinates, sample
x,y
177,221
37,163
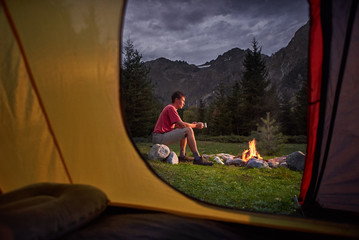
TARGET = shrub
x,y
269,139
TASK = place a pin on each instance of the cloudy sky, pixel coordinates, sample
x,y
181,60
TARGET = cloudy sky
x,y
197,31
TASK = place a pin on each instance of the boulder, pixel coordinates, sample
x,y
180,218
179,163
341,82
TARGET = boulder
x,y
172,158
257,163
296,161
159,151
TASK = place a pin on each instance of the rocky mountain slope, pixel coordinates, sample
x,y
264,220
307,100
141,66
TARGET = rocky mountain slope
x,y
287,68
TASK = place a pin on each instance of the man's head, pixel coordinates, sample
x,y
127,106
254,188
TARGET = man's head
x,y
178,99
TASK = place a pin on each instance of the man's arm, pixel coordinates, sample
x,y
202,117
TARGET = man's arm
x,y
181,124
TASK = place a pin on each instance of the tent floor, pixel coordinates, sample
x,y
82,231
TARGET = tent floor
x,y
127,223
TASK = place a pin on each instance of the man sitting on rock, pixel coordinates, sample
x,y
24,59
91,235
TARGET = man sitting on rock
x,y
165,132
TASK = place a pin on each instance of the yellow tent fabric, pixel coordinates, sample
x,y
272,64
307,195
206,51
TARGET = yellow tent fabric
x,y
60,113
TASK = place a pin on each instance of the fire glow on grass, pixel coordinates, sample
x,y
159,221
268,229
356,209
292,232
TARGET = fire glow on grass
x,y
251,152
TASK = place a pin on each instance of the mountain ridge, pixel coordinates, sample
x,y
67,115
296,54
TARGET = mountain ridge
x,y
287,68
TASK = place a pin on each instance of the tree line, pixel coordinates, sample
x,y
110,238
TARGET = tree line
x,y
238,109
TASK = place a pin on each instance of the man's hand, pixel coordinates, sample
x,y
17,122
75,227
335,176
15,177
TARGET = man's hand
x,y
199,125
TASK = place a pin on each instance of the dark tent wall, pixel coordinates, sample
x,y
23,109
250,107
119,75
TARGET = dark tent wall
x,y
331,176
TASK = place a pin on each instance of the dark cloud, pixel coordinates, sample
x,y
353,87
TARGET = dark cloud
x,y
197,31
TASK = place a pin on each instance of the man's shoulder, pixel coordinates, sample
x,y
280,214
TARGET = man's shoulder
x,y
170,107
170,111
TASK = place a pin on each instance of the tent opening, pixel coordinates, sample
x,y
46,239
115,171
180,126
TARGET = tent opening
x,y
220,94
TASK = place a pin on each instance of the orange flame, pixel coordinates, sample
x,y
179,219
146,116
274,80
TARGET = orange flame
x,y
251,152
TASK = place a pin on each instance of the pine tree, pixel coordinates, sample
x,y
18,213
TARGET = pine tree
x,y
210,118
253,85
293,106
293,113
201,111
272,101
286,118
234,105
300,111
139,105
220,122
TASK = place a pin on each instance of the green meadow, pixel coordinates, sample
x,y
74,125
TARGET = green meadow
x,y
258,190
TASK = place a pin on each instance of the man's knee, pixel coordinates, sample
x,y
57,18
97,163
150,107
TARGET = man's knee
x,y
189,131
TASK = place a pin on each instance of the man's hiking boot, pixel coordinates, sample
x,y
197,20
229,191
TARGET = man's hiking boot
x,y
185,159
201,161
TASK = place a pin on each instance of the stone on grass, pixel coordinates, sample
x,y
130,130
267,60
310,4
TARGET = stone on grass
x,y
159,151
236,162
172,158
273,163
217,159
205,156
239,162
257,163
296,160
283,165
229,162
225,156
280,159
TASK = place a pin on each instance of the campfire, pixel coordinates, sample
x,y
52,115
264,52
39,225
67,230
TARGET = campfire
x,y
251,152
252,159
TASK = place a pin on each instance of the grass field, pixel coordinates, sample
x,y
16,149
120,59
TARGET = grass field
x,y
263,190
